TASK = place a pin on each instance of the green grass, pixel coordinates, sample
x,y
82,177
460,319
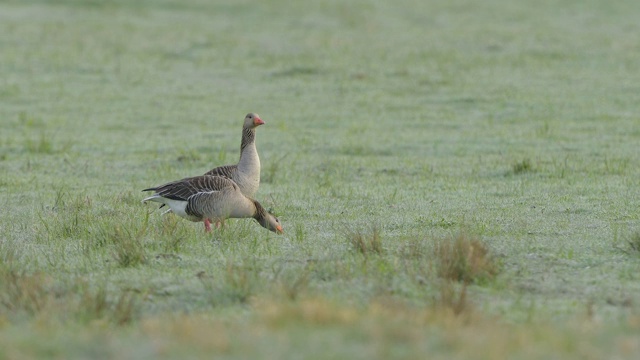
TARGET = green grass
x,y
455,178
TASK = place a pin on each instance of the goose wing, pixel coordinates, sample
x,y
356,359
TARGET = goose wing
x,y
206,204
185,188
227,171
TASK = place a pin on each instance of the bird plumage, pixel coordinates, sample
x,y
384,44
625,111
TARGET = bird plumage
x,y
211,198
246,173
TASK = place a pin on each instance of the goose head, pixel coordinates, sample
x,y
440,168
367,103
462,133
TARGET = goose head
x,y
266,219
252,120
270,222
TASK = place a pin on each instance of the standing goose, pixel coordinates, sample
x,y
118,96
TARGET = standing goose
x,y
247,172
211,198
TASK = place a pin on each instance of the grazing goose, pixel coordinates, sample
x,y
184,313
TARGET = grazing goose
x,y
211,198
247,172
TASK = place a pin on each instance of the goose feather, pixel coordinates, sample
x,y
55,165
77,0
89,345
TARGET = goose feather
x,y
246,173
211,198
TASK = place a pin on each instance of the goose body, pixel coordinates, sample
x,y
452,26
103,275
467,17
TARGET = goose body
x,y
246,174
211,199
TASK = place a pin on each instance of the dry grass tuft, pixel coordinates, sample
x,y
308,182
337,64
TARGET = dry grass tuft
x,y
464,259
174,231
634,244
366,243
37,295
70,216
453,299
96,305
128,250
236,286
521,167
184,333
21,292
312,311
294,285
415,248
8,254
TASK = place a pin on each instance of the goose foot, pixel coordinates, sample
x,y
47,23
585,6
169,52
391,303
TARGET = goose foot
x,y
207,225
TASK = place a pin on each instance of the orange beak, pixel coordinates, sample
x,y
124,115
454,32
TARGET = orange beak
x,y
257,121
279,229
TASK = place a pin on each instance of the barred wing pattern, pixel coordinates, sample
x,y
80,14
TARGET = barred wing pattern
x,y
204,204
228,171
185,188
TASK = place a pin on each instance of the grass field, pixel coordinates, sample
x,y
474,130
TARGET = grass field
x,y
456,179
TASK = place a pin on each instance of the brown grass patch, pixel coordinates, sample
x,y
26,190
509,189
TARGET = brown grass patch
x,y
186,333
634,244
24,292
465,259
521,167
128,249
313,311
366,243
37,295
236,285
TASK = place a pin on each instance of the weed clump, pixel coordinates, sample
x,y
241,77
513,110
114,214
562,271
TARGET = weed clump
x,y
293,285
522,166
39,295
128,249
69,217
366,243
41,145
464,259
21,292
97,305
453,298
634,244
236,285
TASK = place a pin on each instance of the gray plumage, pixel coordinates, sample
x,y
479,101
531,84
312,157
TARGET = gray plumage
x,y
211,199
247,172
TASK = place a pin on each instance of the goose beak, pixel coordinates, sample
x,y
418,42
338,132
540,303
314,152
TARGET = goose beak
x,y
257,121
279,229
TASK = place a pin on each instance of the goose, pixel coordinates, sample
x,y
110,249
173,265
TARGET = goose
x,y
211,198
246,173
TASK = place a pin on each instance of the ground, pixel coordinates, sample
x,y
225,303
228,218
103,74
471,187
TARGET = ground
x,y
456,179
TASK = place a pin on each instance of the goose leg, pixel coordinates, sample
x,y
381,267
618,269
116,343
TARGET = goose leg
x,y
207,225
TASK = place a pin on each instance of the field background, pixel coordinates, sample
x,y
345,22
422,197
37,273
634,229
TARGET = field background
x,y
393,129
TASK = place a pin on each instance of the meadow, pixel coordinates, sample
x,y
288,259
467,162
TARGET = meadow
x,y
456,179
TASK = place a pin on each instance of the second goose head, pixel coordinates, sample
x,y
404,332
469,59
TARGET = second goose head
x,y
252,121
